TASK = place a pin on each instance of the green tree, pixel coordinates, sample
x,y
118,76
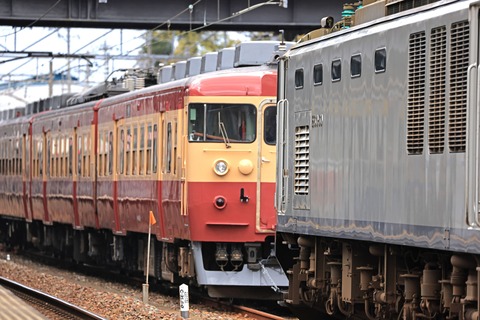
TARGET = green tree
x,y
187,44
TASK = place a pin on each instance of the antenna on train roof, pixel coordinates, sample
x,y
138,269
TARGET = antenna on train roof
x,y
282,46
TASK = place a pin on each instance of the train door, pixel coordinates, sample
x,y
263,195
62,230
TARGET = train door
x,y
45,174
266,217
74,158
26,176
157,155
119,170
171,190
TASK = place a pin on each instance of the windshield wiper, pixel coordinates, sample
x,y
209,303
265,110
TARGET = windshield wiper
x,y
223,131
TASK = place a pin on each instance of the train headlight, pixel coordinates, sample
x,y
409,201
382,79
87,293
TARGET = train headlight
x,y
220,202
220,167
245,166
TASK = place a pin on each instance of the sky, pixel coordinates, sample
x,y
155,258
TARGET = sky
x,y
122,46
99,42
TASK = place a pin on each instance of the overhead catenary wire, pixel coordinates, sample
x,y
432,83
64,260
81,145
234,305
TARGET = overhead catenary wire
x,y
168,21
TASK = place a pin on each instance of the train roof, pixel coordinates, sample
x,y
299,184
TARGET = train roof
x,y
381,24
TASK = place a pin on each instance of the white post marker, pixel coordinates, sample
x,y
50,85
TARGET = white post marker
x,y
184,301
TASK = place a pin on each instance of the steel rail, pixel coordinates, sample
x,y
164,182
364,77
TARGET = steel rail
x,y
47,301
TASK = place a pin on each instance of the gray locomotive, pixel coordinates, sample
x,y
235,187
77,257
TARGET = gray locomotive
x,y
378,164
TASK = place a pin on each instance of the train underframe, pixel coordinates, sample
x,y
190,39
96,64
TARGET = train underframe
x,y
340,278
170,263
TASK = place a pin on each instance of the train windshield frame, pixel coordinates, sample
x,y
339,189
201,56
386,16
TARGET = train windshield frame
x,y
220,122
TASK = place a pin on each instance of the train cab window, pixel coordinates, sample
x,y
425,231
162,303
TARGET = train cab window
x,y
299,79
222,123
318,74
380,60
270,125
356,66
336,70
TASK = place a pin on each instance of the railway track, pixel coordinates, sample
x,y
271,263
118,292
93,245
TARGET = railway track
x,y
249,312
48,304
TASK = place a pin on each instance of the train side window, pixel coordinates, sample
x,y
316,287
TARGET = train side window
x,y
175,149
141,151
100,154
169,147
63,157
24,155
86,156
128,152
70,156
40,158
135,151
2,150
26,168
318,74
120,149
110,153
149,149
336,70
154,150
50,160
380,60
21,156
356,65
58,158
270,125
5,158
79,156
299,79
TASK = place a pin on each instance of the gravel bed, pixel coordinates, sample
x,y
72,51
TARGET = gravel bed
x,y
106,299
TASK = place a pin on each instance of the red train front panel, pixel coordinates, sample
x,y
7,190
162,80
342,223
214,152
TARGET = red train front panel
x,y
229,181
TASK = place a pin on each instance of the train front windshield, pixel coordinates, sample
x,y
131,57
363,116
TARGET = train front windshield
x,y
221,122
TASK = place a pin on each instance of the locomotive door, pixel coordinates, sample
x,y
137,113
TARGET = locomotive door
x,y
266,216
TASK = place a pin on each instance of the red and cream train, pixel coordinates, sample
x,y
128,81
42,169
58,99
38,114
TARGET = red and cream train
x,y
198,152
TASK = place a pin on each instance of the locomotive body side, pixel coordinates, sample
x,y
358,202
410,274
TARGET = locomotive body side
x,y
373,166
